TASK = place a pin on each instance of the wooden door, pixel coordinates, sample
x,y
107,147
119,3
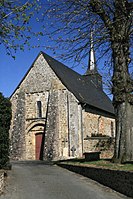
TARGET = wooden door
x,y
38,142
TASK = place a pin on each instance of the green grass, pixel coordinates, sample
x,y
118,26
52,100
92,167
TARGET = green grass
x,y
108,164
103,164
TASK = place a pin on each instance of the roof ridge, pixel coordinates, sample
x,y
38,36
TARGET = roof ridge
x,y
84,90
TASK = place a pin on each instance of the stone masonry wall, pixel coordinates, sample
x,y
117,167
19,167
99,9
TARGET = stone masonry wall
x,y
1,182
51,150
37,85
103,144
64,117
17,131
94,124
64,122
33,124
75,127
98,134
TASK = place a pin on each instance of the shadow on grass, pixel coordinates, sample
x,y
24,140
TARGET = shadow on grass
x,y
102,163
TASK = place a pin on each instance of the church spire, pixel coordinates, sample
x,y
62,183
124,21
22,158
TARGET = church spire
x,y
92,72
92,60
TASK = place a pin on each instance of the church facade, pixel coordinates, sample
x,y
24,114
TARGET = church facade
x,y
57,112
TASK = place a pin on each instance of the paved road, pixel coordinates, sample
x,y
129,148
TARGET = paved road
x,y
34,180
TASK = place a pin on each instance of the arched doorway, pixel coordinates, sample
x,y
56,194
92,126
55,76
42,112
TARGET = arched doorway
x,y
35,140
38,145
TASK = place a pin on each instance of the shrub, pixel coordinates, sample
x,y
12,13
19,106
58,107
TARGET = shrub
x,y
5,119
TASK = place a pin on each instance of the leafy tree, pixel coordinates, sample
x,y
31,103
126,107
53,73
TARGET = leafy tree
x,y
15,28
5,118
112,23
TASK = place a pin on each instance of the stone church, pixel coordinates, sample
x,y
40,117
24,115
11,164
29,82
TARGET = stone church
x,y
58,113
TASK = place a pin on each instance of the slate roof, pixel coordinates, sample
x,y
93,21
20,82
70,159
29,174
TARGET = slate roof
x,y
83,89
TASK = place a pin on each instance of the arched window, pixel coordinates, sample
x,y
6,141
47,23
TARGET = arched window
x,y
39,109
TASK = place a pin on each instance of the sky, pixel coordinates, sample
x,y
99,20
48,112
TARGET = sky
x,y
13,70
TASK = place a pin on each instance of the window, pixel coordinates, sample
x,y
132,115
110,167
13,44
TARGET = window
x,y
39,109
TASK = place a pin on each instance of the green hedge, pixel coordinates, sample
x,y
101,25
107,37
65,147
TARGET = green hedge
x,y
5,119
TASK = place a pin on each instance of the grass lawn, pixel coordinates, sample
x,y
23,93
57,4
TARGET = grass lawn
x,y
102,164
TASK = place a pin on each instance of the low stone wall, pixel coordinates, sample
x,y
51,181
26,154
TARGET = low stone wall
x,y
120,181
103,144
1,181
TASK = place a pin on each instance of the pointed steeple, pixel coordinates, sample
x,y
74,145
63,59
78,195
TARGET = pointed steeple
x,y
92,72
92,60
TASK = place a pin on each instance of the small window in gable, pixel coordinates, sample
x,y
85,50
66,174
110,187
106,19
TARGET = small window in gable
x,y
39,109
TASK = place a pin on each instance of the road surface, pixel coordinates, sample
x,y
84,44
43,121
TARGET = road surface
x,y
36,180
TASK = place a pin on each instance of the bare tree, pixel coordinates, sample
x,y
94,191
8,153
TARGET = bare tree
x,y
71,22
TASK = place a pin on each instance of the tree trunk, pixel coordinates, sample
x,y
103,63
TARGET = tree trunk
x,y
123,101
124,133
122,83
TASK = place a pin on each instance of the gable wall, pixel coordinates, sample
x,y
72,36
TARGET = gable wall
x,y
66,125
40,84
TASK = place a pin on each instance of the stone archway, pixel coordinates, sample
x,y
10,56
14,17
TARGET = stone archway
x,y
34,124
34,134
